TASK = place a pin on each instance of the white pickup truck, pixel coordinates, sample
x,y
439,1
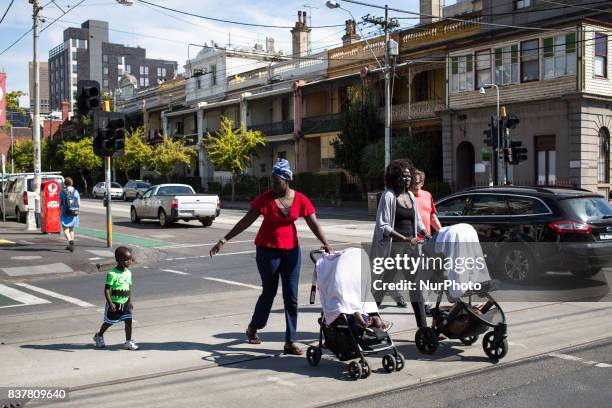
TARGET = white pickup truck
x,y
172,202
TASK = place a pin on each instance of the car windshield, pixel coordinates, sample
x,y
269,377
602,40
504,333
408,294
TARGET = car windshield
x,y
587,208
42,180
175,190
143,185
115,185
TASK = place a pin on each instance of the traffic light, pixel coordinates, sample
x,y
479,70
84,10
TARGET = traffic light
x,y
491,134
507,155
88,96
109,139
517,153
511,121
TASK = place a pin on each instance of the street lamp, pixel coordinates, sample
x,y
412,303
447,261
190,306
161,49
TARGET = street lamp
x,y
497,118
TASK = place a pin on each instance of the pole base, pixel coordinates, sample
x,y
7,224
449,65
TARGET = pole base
x,y
31,221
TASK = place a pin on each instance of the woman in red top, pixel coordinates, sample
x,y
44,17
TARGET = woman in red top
x,y
278,252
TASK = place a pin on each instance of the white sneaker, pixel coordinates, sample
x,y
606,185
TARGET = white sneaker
x,y
130,345
99,340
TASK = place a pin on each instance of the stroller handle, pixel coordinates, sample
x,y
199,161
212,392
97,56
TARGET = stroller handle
x,y
313,254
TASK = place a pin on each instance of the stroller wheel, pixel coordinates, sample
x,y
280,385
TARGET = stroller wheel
x,y
426,340
365,368
354,370
400,362
313,355
468,341
389,363
495,350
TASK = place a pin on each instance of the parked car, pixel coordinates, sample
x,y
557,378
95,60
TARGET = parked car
x,y
172,202
135,188
574,225
19,194
99,190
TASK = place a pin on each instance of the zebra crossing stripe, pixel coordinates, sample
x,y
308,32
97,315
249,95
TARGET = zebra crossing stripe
x,y
56,295
24,299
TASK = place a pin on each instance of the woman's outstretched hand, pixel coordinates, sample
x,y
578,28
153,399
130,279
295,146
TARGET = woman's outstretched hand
x,y
216,249
327,248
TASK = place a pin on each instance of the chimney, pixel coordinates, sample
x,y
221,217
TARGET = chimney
x,y
65,106
270,45
350,35
300,35
431,10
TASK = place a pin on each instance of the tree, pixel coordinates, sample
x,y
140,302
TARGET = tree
x,y
136,152
361,127
232,149
79,156
12,104
23,155
170,153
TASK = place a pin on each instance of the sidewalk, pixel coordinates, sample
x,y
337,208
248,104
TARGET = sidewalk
x,y
194,353
31,253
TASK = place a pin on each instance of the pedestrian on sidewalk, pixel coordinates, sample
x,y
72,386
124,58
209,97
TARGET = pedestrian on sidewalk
x,y
398,223
277,250
117,292
70,200
427,210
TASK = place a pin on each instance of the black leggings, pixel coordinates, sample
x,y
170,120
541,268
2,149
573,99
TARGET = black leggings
x,y
419,313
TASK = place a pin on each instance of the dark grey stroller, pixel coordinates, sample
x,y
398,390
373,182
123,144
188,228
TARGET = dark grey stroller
x,y
464,321
349,341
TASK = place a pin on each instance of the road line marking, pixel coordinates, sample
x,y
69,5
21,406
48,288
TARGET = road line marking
x,y
6,242
207,244
23,298
50,293
177,272
37,269
103,253
580,360
95,258
26,257
234,283
25,242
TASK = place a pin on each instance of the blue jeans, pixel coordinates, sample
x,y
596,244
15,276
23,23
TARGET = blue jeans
x,y
272,264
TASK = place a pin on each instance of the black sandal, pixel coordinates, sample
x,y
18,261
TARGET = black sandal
x,y
252,336
293,349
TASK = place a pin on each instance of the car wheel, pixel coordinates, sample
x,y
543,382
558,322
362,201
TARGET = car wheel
x,y
133,216
207,222
164,220
517,265
585,273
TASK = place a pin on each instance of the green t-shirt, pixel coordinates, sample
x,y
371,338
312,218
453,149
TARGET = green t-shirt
x,y
120,283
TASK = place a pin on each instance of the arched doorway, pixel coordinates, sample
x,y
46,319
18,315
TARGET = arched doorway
x,y
465,165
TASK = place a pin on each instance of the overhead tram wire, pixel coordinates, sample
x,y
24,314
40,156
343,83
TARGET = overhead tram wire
x,y
7,10
576,6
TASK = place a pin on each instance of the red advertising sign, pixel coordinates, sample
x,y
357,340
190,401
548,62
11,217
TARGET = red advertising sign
x,y
2,99
50,211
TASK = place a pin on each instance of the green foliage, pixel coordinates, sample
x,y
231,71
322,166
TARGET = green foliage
x,y
79,156
232,149
320,185
361,127
136,154
170,153
12,104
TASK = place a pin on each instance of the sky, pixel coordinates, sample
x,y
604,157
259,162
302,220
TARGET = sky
x,y
166,35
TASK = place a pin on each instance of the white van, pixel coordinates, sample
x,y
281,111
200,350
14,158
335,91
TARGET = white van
x,y
18,193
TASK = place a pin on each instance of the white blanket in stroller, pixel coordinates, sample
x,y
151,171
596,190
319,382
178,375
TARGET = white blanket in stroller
x,y
461,241
342,286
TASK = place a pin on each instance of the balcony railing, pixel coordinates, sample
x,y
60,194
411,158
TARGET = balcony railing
x,y
321,124
275,128
416,110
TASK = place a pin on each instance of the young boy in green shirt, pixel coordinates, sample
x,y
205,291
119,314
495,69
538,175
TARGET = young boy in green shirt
x,y
118,301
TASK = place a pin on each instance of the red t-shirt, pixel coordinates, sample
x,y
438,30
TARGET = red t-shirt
x,y
276,230
427,207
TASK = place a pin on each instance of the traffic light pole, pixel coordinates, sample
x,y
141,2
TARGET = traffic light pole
x,y
31,222
107,189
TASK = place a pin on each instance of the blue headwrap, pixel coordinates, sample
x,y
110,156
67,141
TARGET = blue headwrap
x,y
282,169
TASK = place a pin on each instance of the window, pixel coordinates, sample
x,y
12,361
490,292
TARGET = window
x,y
105,70
105,83
119,71
560,55
546,160
213,75
526,206
487,204
462,73
74,69
520,4
603,161
142,70
483,68
161,72
506,65
146,81
146,70
601,55
530,61
142,81
282,155
180,128
128,68
452,208
73,42
74,55
198,83
105,59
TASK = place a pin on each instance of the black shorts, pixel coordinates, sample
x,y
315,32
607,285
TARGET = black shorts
x,y
122,312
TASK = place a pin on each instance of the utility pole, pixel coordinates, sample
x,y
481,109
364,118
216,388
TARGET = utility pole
x,y
36,119
386,24
12,153
107,189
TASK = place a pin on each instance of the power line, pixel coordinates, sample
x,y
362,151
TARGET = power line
x,y
7,10
221,20
565,5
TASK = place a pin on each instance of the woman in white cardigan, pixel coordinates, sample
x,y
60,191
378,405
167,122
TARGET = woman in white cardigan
x,y
398,221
